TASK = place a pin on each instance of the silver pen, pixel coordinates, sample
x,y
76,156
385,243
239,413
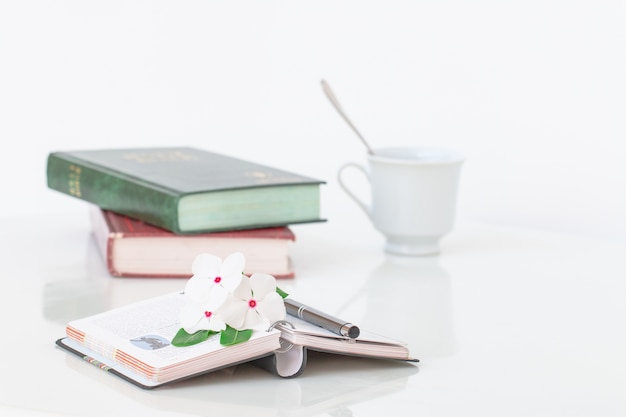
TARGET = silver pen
x,y
321,319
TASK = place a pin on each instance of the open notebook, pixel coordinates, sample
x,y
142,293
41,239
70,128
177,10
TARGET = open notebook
x,y
134,343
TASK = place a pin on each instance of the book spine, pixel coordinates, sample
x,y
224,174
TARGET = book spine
x,y
113,191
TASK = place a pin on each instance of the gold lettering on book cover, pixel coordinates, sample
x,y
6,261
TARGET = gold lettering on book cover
x,y
74,181
149,157
261,177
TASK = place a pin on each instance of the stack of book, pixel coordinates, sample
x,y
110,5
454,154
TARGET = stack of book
x,y
155,209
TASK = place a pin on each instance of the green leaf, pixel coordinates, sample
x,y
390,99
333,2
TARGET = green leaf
x,y
232,336
281,293
183,338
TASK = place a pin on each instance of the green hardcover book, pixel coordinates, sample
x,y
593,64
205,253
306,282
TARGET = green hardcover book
x,y
186,190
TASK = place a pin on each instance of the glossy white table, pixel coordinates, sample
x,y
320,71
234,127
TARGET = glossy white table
x,y
506,322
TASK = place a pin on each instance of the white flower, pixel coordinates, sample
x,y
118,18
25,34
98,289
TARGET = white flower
x,y
208,288
197,316
255,304
214,278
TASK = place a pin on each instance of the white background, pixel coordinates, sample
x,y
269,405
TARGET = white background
x,y
533,92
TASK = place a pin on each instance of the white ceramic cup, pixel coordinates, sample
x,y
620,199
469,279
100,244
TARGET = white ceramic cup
x,y
413,196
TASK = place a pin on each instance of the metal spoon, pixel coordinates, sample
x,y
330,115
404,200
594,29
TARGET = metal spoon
x,y
331,96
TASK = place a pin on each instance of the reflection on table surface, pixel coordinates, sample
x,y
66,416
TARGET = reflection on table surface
x,y
331,384
411,298
502,314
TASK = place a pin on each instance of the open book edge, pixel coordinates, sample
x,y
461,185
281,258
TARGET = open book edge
x,y
127,374
299,336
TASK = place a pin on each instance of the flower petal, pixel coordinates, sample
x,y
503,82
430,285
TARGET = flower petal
x,y
255,321
262,285
233,311
189,317
215,323
234,263
216,297
232,270
206,265
272,308
198,287
243,290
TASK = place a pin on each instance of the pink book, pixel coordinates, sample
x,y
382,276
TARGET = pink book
x,y
132,248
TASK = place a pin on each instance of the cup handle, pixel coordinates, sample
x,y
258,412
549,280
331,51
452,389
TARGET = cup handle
x,y
347,190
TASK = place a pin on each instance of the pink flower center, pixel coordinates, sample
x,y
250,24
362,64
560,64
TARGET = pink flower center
x,y
252,303
208,314
217,280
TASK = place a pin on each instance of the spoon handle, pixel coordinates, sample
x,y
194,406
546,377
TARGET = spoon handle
x,y
331,96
